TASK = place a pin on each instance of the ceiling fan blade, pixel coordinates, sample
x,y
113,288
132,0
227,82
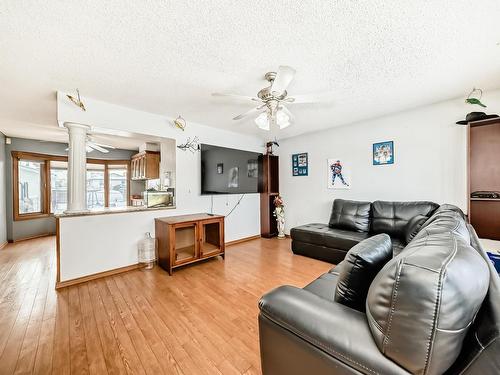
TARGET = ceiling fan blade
x,y
240,97
283,78
103,145
324,97
251,112
97,147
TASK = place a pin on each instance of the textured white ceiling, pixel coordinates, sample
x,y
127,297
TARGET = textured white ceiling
x,y
377,56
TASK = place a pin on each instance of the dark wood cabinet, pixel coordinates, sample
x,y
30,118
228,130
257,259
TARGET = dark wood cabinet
x,y
188,239
484,175
268,189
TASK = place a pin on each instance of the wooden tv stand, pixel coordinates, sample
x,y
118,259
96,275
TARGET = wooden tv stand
x,y
187,239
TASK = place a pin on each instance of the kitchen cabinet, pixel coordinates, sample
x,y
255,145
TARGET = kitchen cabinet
x,y
145,165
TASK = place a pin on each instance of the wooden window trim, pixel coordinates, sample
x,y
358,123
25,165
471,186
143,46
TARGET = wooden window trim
x,y
46,183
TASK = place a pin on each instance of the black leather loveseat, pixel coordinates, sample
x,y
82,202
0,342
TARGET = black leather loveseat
x,y
432,309
353,221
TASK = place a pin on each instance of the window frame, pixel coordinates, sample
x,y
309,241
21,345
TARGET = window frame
x,y
46,183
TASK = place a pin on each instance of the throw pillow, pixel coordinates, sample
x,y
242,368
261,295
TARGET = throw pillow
x,y
359,268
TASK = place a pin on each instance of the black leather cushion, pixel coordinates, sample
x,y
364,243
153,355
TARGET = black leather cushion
x,y
359,268
444,221
421,304
324,286
397,246
392,217
350,215
413,227
323,235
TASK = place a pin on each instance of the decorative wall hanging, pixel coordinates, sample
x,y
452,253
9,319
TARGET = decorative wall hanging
x,y
300,164
77,101
339,175
474,97
253,168
220,168
180,123
383,153
191,145
233,181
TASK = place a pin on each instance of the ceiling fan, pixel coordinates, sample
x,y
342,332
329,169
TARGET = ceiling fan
x,y
273,99
91,145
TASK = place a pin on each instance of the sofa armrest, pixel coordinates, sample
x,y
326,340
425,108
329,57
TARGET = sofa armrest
x,y
338,330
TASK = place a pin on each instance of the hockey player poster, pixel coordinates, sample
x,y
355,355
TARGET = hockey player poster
x,y
339,174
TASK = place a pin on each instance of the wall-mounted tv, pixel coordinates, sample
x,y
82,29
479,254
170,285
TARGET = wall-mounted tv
x,y
228,171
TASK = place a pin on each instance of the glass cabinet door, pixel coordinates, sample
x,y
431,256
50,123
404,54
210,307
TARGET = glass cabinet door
x,y
210,238
185,243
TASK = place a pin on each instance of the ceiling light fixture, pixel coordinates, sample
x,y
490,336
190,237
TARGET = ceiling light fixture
x,y
265,119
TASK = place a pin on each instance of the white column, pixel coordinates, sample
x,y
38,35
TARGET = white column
x,y
77,167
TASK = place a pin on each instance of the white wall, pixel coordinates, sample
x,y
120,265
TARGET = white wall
x,y
430,160
243,222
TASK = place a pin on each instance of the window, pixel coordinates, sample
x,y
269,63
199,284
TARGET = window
x,y
117,186
95,186
40,184
30,186
58,186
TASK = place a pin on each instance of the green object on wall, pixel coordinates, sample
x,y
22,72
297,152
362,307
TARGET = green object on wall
x,y
475,101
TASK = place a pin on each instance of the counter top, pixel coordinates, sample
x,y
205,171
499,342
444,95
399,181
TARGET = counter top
x,y
111,210
188,218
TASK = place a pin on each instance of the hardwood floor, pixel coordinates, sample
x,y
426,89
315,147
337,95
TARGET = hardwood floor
x,y
201,320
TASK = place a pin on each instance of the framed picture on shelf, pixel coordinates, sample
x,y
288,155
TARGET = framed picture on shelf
x,y
383,153
300,164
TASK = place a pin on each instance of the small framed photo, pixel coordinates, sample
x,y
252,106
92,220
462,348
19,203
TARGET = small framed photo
x,y
220,168
383,153
300,164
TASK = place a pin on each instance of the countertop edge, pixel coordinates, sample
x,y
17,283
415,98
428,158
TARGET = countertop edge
x,y
108,211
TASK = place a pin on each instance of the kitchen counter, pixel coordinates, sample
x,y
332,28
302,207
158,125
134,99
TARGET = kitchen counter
x,y
112,210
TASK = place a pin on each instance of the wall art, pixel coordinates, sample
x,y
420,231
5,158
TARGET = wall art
x,y
383,153
339,174
300,164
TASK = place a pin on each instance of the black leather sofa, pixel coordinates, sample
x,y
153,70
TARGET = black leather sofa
x,y
419,315
352,221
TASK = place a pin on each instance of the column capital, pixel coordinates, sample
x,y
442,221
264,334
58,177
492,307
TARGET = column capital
x,y
76,125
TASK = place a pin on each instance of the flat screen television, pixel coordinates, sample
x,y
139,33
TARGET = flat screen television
x,y
228,171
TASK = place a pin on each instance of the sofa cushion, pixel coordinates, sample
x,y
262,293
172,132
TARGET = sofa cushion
x,y
397,246
446,221
413,227
359,268
392,217
350,215
421,304
323,235
310,233
343,239
324,286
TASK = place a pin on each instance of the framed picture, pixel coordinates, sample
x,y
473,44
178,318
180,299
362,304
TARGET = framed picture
x,y
220,168
383,153
300,164
233,178
253,168
339,174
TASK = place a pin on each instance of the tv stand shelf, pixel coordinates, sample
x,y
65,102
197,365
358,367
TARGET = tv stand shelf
x,y
187,239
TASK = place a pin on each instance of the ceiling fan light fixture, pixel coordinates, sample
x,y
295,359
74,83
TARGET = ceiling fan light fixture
x,y
262,121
